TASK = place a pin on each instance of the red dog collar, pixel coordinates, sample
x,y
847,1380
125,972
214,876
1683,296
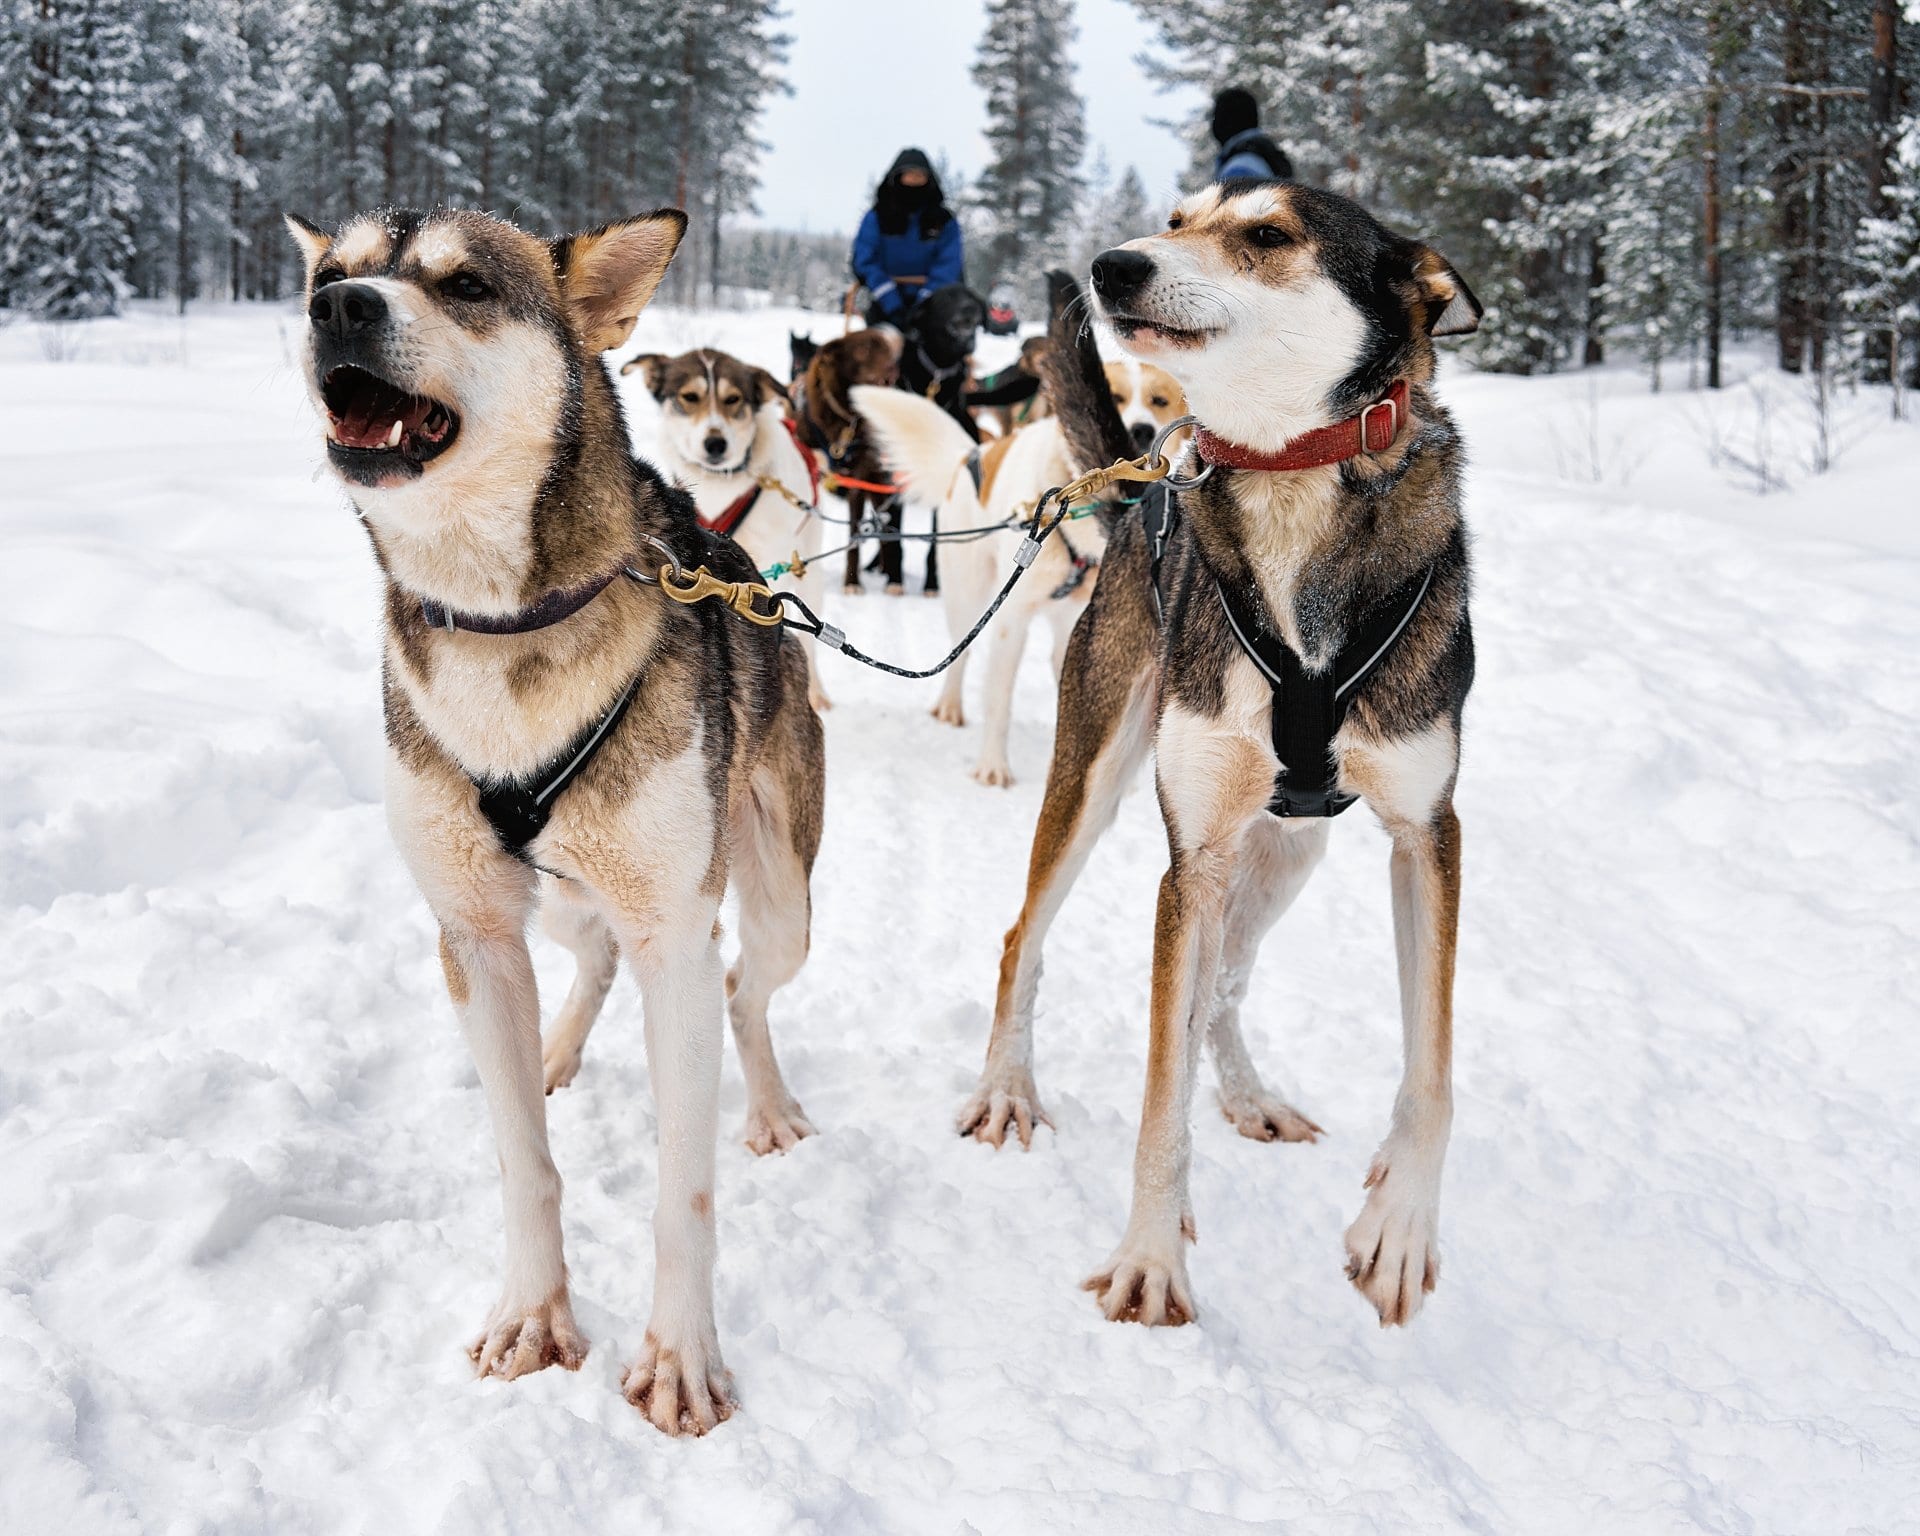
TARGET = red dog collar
x,y
1372,431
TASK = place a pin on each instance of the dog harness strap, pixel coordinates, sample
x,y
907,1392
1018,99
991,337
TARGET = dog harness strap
x,y
807,457
1159,517
1309,708
1372,431
734,515
551,609
518,809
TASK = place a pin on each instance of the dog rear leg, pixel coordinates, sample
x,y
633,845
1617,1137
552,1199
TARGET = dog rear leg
x,y
1392,1247
1009,641
1276,860
892,552
857,504
1098,743
572,921
679,1381
776,847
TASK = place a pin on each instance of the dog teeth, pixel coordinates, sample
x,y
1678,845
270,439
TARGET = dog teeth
x,y
393,437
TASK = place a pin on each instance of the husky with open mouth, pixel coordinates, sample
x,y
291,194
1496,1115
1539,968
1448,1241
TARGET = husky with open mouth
x,y
558,726
1288,635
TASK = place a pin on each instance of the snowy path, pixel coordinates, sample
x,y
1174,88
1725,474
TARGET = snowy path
x,y
249,1211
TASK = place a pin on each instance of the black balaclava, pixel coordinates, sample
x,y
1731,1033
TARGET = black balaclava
x,y
1234,111
894,203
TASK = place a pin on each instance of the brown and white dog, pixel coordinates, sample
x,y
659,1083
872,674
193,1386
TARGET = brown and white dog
x,y
1302,332
724,437
552,717
933,458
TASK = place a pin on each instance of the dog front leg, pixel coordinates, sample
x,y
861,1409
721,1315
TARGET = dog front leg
x,y
1211,787
1392,1247
490,978
679,1381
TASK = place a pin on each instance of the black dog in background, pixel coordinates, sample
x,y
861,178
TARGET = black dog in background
x,y
939,337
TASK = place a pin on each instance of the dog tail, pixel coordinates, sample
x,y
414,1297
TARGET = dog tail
x,y
924,447
1076,378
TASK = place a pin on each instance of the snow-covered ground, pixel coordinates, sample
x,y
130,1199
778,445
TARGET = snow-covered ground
x,y
248,1210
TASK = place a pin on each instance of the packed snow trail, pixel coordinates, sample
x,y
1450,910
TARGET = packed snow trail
x,y
250,1212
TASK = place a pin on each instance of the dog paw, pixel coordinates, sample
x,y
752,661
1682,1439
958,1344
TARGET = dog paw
x,y
560,1062
520,1340
682,1391
1003,1100
1260,1116
948,711
994,772
1145,1282
775,1127
896,589
1393,1257
853,589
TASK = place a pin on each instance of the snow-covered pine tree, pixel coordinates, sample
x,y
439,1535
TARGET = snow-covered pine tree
x,y
71,246
1113,214
1887,253
1036,136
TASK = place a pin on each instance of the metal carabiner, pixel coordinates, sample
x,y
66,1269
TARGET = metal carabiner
x,y
737,595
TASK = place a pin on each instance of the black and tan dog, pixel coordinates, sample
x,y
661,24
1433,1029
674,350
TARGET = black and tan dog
x,y
823,406
549,710
1314,591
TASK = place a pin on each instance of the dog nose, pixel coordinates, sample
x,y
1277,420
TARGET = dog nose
x,y
1119,272
716,446
1143,434
347,309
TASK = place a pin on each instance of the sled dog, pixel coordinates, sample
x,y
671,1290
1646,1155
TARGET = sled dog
x,y
724,437
555,723
933,457
1310,594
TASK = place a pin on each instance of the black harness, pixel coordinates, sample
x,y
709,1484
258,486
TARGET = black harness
x,y
518,809
1308,707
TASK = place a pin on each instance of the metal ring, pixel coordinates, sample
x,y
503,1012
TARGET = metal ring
x,y
679,571
1156,454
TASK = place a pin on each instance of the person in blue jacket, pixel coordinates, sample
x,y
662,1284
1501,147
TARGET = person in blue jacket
x,y
1244,149
909,242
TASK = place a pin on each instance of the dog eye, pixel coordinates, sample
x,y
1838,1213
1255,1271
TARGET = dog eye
x,y
464,285
1173,222
1159,402
328,275
1268,235
689,397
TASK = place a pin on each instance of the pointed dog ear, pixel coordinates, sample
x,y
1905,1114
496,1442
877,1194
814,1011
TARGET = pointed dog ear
x,y
1452,310
310,237
608,274
652,368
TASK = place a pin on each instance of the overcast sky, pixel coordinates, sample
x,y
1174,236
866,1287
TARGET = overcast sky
x,y
872,76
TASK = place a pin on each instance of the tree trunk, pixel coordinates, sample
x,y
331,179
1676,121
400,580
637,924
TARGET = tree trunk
x,y
1595,351
1883,96
1789,185
1710,230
